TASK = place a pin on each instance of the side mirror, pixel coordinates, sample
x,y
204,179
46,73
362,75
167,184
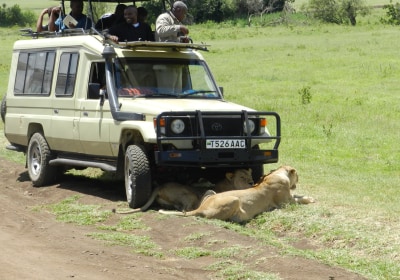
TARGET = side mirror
x,y
221,89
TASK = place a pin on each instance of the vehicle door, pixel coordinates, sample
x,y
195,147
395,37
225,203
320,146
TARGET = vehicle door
x,y
95,117
65,129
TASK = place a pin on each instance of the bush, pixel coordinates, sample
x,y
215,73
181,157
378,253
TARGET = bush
x,y
14,16
336,11
393,14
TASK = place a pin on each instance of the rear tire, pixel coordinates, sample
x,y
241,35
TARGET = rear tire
x,y
3,109
137,176
38,157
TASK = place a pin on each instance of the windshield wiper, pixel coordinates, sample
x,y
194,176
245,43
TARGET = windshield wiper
x,y
193,91
160,95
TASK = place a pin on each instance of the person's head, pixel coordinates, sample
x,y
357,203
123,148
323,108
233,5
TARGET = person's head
x,y
76,7
119,10
130,14
142,14
179,9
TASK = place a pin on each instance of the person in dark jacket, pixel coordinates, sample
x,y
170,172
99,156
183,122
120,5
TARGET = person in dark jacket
x,y
131,29
109,20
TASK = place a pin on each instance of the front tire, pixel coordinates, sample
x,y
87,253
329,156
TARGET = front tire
x,y
38,157
257,172
137,176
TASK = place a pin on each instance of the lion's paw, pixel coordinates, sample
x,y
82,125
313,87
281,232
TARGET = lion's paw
x,y
307,200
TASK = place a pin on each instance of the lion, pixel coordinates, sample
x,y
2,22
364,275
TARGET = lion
x,y
272,191
185,198
237,180
170,195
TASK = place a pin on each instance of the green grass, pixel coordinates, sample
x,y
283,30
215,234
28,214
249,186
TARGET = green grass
x,y
140,244
343,140
38,6
336,89
71,211
231,270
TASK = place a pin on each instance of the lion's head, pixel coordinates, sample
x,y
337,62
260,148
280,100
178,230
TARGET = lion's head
x,y
293,176
240,179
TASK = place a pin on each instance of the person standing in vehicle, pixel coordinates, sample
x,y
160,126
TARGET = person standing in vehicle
x,y
53,13
77,13
142,14
169,27
131,30
110,20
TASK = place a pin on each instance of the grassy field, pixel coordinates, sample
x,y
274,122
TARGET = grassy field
x,y
336,89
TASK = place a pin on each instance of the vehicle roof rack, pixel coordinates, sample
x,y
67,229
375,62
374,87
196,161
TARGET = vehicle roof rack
x,y
28,32
161,45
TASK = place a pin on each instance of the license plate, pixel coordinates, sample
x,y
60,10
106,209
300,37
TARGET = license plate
x,y
226,144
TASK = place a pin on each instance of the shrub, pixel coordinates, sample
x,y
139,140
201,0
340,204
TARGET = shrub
x,y
14,16
336,11
393,14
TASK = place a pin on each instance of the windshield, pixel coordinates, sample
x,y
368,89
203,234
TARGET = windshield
x,y
164,78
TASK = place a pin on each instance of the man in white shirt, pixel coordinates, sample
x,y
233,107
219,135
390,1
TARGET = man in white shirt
x,y
169,27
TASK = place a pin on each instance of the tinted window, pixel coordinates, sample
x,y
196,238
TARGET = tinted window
x,y
67,74
34,72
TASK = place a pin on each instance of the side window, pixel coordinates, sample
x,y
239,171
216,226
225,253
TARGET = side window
x,y
67,74
34,72
97,76
97,73
21,73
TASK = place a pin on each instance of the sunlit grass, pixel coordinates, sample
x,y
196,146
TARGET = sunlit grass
x,y
235,270
70,210
140,244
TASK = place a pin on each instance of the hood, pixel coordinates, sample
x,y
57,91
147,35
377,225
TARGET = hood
x,y
153,106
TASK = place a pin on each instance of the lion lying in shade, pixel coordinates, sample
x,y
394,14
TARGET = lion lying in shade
x,y
272,191
181,197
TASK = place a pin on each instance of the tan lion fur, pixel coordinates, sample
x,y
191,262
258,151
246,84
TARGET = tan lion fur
x,y
239,179
171,195
185,198
272,191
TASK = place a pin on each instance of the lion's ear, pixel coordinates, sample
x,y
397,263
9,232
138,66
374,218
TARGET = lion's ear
x,y
229,175
292,171
250,170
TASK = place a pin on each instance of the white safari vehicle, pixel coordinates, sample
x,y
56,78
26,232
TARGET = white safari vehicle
x,y
146,111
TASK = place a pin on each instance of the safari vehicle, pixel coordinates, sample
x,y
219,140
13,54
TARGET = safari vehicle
x,y
146,111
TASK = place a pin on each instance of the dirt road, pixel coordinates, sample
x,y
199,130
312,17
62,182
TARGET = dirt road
x,y
34,245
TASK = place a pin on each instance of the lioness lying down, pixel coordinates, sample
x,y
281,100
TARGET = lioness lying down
x,y
272,191
185,198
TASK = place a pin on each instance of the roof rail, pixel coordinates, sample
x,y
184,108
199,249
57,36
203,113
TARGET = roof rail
x,y
28,32
160,45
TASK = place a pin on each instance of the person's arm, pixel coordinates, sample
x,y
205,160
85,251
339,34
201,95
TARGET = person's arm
x,y
109,34
39,23
54,15
184,30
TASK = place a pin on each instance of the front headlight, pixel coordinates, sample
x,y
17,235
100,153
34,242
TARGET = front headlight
x,y
177,126
252,126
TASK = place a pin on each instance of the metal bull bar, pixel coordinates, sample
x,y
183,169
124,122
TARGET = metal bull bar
x,y
199,155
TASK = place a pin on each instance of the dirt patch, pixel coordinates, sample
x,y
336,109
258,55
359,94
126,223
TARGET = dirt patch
x,y
36,246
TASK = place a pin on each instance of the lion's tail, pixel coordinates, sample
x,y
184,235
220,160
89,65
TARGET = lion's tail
x,y
144,207
136,210
167,212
